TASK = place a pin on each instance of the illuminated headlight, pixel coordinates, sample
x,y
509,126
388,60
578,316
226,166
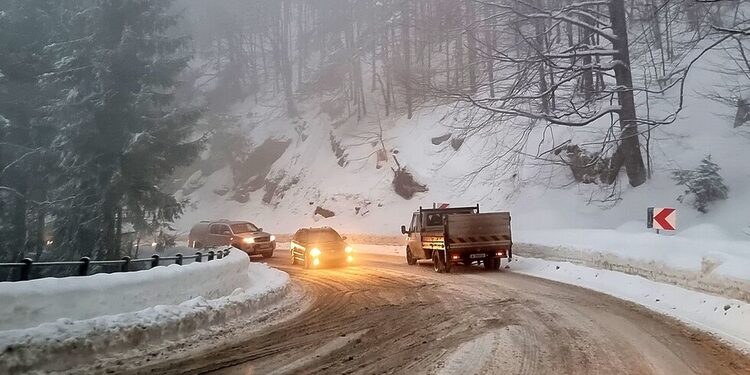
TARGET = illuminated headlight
x,y
350,259
248,240
273,238
348,250
315,252
154,244
316,262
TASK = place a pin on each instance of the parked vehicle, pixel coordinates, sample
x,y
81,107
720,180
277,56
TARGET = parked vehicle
x,y
243,235
458,235
320,247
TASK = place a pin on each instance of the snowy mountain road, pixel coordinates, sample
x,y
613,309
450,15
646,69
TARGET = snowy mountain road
x,y
383,316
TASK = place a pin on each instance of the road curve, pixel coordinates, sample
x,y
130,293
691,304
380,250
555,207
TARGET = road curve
x,y
383,316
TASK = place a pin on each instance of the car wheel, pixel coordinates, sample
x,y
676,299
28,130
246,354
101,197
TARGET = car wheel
x,y
410,260
267,254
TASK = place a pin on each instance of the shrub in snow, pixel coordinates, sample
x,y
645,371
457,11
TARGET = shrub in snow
x,y
704,183
590,167
405,185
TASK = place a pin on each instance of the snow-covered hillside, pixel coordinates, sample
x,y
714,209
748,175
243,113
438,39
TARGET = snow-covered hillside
x,y
309,173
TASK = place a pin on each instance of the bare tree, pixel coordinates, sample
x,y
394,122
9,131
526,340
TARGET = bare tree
x,y
541,66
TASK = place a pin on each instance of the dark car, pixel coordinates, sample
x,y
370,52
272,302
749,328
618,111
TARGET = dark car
x,y
243,235
320,247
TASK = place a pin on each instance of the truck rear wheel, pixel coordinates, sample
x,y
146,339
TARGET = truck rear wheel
x,y
410,260
439,263
492,264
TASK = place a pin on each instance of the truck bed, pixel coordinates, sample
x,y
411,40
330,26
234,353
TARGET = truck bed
x,y
487,231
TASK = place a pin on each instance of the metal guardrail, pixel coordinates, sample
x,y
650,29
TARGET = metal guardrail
x,y
85,263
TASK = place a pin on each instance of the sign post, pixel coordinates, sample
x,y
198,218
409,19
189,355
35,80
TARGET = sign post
x,y
661,218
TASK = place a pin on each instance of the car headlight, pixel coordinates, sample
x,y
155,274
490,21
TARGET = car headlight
x,y
248,240
315,252
273,238
348,250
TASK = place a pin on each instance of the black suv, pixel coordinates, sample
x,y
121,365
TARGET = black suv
x,y
319,247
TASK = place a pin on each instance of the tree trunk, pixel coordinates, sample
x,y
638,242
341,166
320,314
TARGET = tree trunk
x,y
629,141
106,243
405,43
117,246
39,242
472,43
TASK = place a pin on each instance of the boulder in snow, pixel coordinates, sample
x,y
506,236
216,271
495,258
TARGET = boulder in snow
x,y
323,212
439,140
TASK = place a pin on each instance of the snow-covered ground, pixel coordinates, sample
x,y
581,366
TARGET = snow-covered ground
x,y
699,259
722,316
577,221
100,315
553,218
702,259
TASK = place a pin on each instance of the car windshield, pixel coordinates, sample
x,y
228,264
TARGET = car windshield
x,y
324,236
244,228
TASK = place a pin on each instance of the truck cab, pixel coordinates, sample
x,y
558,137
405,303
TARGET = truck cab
x,y
458,235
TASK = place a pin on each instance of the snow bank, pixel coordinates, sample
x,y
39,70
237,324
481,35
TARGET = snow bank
x,y
30,303
727,318
707,264
212,293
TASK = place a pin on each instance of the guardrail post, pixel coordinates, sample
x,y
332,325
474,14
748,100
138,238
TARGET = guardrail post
x,y
219,254
198,256
154,260
26,268
83,268
178,259
125,266
211,255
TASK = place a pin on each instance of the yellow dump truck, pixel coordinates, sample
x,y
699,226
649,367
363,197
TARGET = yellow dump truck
x,y
459,235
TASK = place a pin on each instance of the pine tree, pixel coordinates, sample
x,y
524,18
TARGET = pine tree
x,y
26,27
117,73
704,183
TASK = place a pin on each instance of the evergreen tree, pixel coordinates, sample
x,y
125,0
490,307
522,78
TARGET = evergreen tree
x,y
116,74
704,183
26,27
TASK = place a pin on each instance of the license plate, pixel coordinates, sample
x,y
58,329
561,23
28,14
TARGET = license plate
x,y
266,246
474,256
